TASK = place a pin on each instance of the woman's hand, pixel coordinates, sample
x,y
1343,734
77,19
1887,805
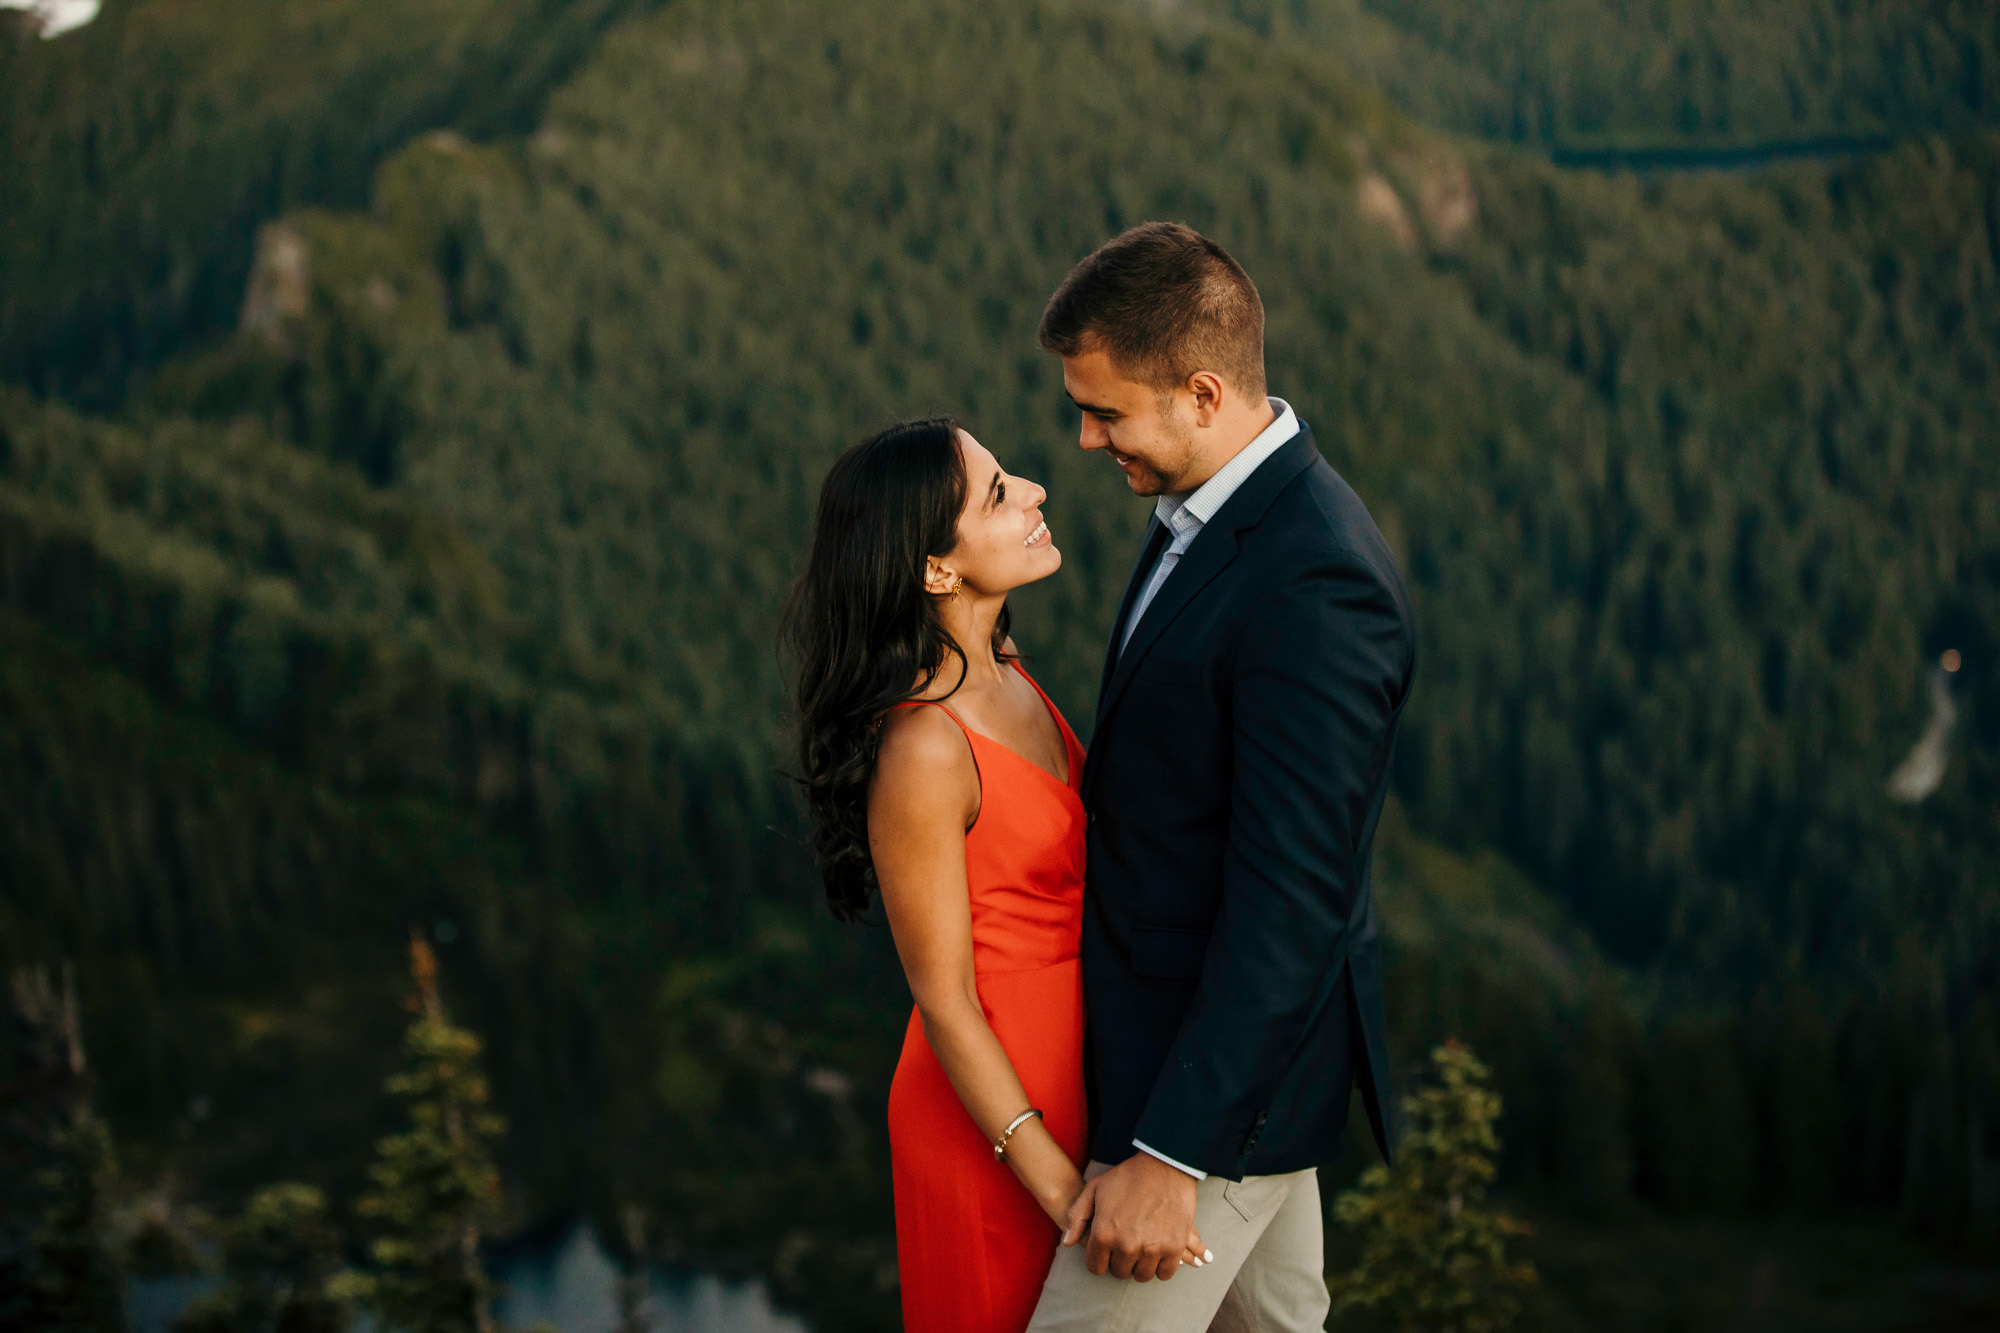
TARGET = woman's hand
x,y
1044,1169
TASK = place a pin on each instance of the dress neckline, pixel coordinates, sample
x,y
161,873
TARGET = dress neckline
x,y
1070,747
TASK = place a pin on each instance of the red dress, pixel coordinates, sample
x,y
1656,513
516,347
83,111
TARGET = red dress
x,y
972,1246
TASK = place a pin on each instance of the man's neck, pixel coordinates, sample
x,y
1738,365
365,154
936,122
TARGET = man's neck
x,y
1232,437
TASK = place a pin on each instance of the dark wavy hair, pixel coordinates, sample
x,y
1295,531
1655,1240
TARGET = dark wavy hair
x,y
862,632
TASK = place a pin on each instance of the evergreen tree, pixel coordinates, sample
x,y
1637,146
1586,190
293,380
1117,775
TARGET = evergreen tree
x,y
280,1259
1434,1260
56,1172
435,1183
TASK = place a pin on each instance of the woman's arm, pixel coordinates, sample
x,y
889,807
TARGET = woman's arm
x,y
925,794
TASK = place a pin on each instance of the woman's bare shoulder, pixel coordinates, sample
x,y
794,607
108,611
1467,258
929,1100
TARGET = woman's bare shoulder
x,y
923,744
924,770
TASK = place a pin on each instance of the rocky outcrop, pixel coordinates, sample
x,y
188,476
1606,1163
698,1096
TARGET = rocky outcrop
x,y
1432,177
278,291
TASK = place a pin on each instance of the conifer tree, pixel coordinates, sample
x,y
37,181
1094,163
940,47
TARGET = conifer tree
x,y
56,1172
281,1263
435,1183
1433,1260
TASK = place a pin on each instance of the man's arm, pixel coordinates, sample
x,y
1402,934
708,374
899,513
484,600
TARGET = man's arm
x,y
1320,673
1150,1151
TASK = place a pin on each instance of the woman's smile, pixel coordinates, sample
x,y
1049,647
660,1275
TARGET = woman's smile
x,y
1040,536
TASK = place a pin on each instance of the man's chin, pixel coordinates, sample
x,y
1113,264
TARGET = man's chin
x,y
1144,482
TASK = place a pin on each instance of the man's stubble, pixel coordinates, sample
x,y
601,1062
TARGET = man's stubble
x,y
1177,437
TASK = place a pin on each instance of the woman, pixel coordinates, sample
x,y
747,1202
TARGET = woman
x,y
940,775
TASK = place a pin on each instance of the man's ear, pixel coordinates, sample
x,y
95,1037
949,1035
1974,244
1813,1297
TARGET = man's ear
x,y
1209,392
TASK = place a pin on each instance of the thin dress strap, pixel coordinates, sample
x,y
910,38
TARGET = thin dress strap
x,y
970,744
934,703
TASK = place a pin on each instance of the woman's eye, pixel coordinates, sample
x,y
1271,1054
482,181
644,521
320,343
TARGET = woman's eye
x,y
1002,493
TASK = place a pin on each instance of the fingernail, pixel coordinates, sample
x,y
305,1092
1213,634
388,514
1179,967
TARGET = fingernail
x,y
1208,1256
1197,1263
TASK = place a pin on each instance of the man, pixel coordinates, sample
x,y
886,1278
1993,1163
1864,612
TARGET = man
x,y
1249,705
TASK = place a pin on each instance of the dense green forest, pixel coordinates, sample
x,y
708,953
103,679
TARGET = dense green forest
x,y
415,424
139,153
1638,74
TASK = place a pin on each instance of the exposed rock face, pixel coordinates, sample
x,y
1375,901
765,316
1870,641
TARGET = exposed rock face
x,y
1437,178
1919,776
1381,205
1444,191
278,291
52,18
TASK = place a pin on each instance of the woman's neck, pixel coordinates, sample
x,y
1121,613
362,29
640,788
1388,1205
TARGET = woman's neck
x,y
970,621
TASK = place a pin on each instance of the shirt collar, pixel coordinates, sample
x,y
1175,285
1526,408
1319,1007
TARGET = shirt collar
x,y
1190,511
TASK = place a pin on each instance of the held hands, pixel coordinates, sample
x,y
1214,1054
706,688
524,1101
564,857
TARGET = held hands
x,y
1139,1217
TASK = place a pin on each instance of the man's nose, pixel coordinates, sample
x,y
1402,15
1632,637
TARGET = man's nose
x,y
1094,434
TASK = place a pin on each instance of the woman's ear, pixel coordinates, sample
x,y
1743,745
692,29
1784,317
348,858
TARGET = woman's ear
x,y
937,579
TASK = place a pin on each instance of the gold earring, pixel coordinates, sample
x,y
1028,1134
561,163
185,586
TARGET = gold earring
x,y
958,581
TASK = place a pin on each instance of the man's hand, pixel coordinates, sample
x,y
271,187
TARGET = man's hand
x,y
1141,1219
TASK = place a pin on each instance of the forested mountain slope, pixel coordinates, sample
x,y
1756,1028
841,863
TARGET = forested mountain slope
x,y
1741,585
1640,74
490,503
628,434
144,148
239,930
139,152
1681,472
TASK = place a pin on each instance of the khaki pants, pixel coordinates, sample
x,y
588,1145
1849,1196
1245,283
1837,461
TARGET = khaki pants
x,y
1268,1275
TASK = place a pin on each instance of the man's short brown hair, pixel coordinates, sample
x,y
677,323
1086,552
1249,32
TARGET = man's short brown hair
x,y
1163,301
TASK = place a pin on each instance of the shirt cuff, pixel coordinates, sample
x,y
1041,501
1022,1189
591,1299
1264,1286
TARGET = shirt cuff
x,y
1178,1166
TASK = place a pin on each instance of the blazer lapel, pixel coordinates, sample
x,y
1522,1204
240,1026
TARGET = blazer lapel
x,y
1149,554
1156,540
1208,556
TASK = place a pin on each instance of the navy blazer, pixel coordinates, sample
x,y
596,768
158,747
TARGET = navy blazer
x,y
1231,954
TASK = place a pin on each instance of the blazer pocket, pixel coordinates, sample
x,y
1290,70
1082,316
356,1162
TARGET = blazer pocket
x,y
1167,954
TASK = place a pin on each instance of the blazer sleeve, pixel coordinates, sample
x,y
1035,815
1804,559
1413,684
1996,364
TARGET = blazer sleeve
x,y
1321,672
